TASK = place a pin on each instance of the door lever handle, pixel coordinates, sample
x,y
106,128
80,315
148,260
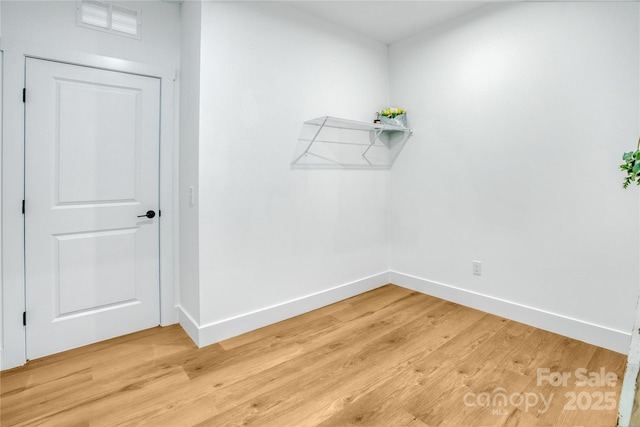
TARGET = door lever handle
x,y
149,214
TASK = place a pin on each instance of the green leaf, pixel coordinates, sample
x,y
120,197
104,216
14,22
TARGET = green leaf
x,y
627,156
636,168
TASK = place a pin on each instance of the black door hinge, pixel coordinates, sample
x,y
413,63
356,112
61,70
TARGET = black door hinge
x,y
159,212
23,207
24,318
24,94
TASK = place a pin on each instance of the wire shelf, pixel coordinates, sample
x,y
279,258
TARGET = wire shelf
x,y
334,143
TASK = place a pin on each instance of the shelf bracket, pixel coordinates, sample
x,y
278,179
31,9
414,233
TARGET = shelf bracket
x,y
373,136
324,158
312,141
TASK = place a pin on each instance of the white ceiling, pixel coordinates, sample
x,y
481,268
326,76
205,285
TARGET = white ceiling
x,y
387,21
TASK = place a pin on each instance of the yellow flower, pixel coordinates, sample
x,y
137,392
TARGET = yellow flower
x,y
392,112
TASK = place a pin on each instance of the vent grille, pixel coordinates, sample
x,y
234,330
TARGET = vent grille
x,y
124,20
109,18
94,13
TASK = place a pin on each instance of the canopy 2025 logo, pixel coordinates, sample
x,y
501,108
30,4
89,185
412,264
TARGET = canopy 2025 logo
x,y
581,378
594,400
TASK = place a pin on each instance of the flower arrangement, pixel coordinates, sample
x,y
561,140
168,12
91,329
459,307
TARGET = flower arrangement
x,y
393,116
392,112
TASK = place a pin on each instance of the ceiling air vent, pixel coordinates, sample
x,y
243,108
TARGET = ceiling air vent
x,y
110,18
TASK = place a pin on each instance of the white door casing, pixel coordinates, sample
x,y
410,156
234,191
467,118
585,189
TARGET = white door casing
x,y
91,168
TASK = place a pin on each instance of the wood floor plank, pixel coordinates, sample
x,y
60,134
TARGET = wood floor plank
x,y
514,376
389,357
588,394
348,378
79,402
228,394
413,385
321,356
128,350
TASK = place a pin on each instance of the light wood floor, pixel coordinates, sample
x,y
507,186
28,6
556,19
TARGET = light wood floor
x,y
390,357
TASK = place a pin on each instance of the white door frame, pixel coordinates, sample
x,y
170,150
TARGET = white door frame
x,y
12,332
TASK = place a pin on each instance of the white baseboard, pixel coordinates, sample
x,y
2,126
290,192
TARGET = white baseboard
x,y
188,323
591,333
217,331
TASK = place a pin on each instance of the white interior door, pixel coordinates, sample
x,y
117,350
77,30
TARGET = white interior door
x,y
91,168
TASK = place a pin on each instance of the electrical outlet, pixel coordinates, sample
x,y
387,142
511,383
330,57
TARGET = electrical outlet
x,y
477,268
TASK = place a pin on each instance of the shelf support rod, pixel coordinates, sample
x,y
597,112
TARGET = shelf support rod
x,y
311,142
325,158
372,140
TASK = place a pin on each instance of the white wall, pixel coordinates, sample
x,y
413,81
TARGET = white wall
x,y
1,220
501,102
48,29
269,234
189,150
53,23
521,114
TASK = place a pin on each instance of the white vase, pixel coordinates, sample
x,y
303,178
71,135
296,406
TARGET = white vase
x,y
400,120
